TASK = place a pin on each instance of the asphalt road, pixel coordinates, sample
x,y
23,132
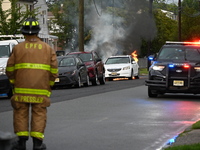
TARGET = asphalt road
x,y
115,116
63,94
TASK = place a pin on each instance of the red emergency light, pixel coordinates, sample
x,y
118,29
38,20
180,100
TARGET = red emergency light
x,y
192,43
186,66
195,43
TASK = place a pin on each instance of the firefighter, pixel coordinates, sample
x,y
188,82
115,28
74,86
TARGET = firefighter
x,y
31,69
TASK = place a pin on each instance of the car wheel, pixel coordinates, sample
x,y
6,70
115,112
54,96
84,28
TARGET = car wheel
x,y
131,77
94,81
137,77
10,93
102,80
87,82
78,84
150,93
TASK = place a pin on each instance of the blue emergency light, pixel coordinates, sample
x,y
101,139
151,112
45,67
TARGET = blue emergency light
x,y
171,65
150,58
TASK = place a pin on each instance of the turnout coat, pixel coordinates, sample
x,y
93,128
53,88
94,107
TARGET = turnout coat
x,y
32,69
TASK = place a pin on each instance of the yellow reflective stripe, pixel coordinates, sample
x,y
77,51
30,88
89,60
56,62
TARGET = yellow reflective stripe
x,y
33,23
12,81
37,134
32,91
24,23
27,23
10,68
32,66
51,83
54,70
23,133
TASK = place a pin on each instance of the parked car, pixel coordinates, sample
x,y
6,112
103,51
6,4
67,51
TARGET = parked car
x,y
60,53
175,69
94,65
72,72
121,66
6,47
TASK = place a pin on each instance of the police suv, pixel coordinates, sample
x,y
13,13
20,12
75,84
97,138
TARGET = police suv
x,y
6,47
175,69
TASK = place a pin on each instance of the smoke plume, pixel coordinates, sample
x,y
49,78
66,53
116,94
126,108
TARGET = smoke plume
x,y
112,34
117,26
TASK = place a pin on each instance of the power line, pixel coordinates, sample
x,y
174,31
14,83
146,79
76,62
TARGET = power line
x,y
97,9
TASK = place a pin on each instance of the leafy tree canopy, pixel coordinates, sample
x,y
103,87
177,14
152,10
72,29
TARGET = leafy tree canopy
x,y
12,19
190,11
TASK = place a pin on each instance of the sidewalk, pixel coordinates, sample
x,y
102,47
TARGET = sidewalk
x,y
189,136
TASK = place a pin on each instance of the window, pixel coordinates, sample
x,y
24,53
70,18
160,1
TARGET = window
x,y
66,62
4,51
95,55
192,54
86,57
172,53
118,60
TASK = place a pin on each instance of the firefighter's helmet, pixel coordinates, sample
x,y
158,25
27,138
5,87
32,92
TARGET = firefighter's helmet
x,y
30,26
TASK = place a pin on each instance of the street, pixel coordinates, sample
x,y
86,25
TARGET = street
x,y
115,116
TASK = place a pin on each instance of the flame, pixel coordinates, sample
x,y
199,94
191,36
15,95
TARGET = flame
x,y
117,79
134,55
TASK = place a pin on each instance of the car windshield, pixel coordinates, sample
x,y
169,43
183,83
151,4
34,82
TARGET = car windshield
x,y
4,51
118,60
183,54
85,56
66,62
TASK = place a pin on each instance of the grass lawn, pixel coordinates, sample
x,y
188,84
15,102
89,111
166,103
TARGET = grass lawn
x,y
187,147
143,71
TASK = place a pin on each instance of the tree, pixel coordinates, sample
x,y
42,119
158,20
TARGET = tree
x,y
190,20
65,23
161,4
11,19
125,24
167,30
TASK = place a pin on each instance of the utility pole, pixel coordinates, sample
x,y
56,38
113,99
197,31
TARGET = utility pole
x,y
81,25
149,42
179,20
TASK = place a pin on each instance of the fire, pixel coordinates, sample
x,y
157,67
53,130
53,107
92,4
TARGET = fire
x,y
117,79
134,55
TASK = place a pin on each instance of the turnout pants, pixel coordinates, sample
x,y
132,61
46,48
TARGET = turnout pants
x,y
21,119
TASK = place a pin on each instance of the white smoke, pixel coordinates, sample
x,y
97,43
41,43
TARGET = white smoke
x,y
112,36
105,33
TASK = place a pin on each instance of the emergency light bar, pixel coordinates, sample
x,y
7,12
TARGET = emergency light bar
x,y
182,43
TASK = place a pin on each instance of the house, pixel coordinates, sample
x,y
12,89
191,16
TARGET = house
x,y
42,17
169,14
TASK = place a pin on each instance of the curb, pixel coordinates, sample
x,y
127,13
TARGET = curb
x,y
187,137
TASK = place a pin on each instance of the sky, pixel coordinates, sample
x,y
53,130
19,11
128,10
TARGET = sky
x,y
172,1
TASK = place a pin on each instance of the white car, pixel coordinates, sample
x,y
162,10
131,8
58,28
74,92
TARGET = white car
x,y
121,66
6,47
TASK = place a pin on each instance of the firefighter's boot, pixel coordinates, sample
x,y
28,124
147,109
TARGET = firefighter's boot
x,y
21,144
38,144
